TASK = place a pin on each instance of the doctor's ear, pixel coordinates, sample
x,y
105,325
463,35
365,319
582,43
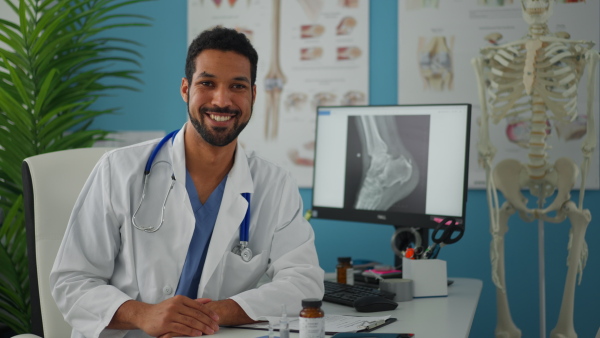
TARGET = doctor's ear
x,y
184,89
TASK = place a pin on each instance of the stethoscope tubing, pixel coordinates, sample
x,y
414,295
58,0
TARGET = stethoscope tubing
x,y
244,226
156,149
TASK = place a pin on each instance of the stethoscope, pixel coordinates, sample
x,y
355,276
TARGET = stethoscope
x,y
241,249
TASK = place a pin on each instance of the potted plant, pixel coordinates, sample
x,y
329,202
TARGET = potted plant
x,y
56,61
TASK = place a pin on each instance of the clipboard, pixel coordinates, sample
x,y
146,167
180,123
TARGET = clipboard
x,y
367,327
373,335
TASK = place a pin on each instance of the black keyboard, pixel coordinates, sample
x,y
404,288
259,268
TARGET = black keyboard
x,y
345,294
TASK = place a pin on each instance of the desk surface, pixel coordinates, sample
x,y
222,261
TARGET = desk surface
x,y
450,316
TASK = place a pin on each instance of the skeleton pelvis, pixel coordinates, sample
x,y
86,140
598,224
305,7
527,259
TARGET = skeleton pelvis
x,y
510,176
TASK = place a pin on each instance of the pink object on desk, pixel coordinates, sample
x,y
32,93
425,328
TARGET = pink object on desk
x,y
381,272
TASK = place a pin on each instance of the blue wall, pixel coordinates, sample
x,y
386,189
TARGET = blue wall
x,y
158,106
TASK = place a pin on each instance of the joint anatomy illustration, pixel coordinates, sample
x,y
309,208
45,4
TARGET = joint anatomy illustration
x,y
495,2
435,62
531,82
323,99
418,4
312,8
346,25
354,98
311,31
348,53
296,101
311,53
275,79
391,173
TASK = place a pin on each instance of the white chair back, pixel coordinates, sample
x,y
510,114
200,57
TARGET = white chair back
x,y
51,184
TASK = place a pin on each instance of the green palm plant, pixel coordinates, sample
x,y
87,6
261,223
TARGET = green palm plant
x,y
58,61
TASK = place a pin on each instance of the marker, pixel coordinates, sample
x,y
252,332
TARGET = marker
x,y
410,253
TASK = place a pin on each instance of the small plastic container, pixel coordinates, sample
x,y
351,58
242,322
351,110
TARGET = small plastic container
x,y
345,271
312,319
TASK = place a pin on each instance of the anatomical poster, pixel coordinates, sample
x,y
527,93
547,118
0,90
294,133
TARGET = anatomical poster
x,y
311,53
437,41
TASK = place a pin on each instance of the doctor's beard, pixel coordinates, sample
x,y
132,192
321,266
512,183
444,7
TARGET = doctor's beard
x,y
218,137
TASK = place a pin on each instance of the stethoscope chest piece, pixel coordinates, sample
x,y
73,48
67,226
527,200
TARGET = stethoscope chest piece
x,y
243,251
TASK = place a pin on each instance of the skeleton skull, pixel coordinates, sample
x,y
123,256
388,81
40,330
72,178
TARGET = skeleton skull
x,y
537,11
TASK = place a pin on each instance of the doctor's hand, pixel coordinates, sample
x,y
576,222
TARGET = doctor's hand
x,y
176,316
229,312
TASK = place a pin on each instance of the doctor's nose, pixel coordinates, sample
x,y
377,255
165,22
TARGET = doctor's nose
x,y
221,97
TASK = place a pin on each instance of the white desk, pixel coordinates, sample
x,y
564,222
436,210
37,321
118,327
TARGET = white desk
x,y
448,317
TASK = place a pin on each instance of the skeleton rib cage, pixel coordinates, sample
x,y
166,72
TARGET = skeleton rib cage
x,y
534,84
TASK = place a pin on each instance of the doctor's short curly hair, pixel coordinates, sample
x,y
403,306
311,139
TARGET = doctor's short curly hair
x,y
222,39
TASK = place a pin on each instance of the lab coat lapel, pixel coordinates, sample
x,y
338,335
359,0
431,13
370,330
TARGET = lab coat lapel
x,y
185,218
178,156
231,213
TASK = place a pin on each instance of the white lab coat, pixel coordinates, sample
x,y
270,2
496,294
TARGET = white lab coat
x,y
104,260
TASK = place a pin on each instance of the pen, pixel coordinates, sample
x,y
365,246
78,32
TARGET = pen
x,y
410,253
375,324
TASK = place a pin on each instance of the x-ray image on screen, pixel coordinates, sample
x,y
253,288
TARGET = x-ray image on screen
x,y
386,163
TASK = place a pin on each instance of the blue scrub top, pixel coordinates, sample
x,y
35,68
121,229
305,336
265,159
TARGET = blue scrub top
x,y
206,216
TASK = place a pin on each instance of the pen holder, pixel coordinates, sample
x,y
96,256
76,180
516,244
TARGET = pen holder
x,y
429,276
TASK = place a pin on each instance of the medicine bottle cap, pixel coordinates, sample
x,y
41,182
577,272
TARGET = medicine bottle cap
x,y
311,302
344,259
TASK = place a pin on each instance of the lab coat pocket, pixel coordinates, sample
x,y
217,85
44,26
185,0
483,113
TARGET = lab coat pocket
x,y
239,276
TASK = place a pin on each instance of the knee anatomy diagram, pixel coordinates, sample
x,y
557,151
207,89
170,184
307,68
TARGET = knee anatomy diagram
x,y
533,81
435,62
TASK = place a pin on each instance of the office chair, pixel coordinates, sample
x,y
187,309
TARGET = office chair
x,y
51,184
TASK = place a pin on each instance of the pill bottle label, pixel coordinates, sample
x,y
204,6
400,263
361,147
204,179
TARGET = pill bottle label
x,y
350,276
312,327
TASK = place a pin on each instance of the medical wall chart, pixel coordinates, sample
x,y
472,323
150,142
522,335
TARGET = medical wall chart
x,y
311,53
438,39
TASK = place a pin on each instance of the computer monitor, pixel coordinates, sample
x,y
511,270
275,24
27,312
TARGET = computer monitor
x,y
402,165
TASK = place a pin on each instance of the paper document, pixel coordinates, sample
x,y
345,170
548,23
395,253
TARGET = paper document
x,y
333,323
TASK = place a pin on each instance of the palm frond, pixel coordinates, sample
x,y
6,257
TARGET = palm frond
x,y
58,61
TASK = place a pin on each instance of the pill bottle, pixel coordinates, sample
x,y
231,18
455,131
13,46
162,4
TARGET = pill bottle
x,y
345,271
312,319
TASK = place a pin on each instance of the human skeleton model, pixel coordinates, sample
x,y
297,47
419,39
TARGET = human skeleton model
x,y
274,80
535,80
392,173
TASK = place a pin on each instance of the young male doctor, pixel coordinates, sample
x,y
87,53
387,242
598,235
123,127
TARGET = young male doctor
x,y
167,266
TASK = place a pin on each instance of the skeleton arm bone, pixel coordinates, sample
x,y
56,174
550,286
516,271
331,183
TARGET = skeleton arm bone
x,y
484,147
586,44
486,155
589,143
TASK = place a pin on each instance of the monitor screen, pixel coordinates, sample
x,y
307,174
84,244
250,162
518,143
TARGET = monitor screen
x,y
403,165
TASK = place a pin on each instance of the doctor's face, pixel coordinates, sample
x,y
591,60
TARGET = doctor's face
x,y
220,96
